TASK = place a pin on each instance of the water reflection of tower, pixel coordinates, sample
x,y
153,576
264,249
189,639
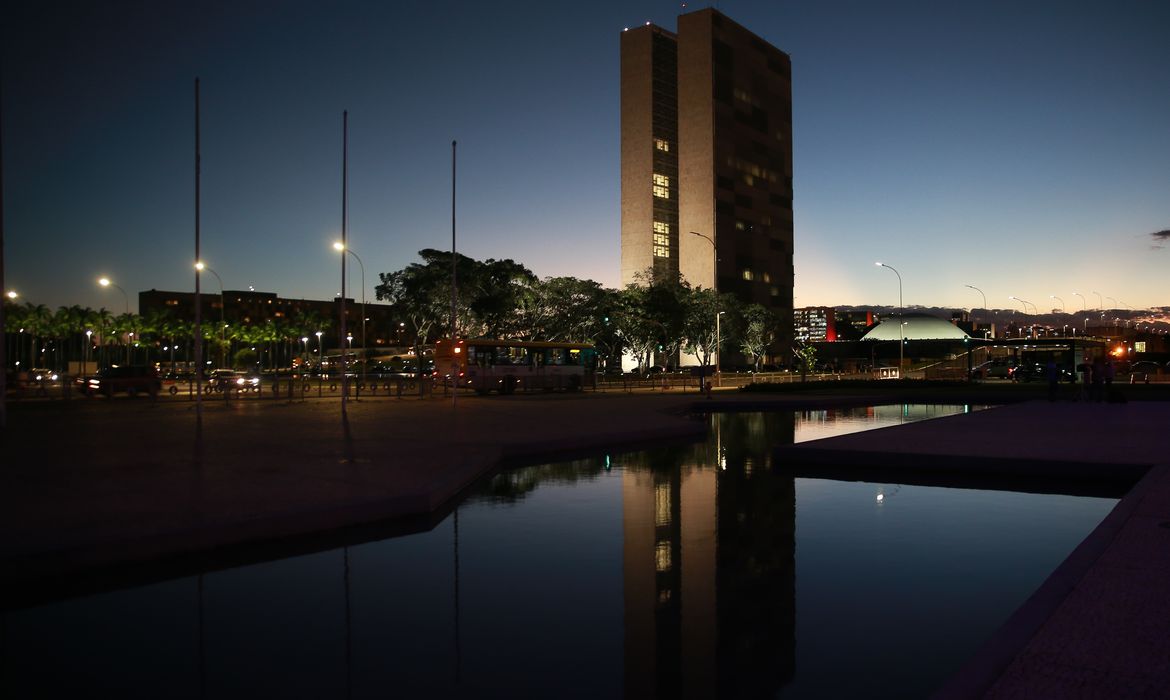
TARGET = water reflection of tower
x,y
756,566
695,628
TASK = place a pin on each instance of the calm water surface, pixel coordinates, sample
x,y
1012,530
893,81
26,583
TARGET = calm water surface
x,y
692,571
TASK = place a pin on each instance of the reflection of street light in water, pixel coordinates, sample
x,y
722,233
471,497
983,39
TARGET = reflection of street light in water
x,y
882,496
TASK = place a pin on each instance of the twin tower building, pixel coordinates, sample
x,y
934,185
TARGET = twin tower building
x,y
706,156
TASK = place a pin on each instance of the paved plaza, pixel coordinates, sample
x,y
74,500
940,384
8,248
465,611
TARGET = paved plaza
x,y
102,486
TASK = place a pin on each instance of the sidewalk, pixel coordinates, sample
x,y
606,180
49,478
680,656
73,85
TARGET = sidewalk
x,y
93,484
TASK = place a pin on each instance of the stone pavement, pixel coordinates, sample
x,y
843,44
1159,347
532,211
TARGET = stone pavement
x,y
102,485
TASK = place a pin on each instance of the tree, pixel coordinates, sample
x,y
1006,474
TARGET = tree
x,y
422,292
702,331
759,332
566,309
496,291
805,357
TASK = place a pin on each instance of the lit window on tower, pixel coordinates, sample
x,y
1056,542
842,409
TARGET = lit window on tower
x,y
661,186
661,246
662,145
662,556
748,275
662,502
661,227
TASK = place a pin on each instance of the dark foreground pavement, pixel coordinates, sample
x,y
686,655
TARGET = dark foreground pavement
x,y
97,486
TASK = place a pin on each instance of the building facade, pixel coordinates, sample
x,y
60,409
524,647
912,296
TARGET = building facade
x,y
706,151
814,324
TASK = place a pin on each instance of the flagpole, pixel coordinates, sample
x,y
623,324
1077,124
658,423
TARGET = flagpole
x,y
198,301
454,289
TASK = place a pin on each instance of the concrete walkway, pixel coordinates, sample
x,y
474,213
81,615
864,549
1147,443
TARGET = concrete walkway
x,y
98,486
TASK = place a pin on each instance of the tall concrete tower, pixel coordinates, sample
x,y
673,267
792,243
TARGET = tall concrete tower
x,y
706,149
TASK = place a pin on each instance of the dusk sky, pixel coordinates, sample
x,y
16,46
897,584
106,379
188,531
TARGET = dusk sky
x,y
1020,147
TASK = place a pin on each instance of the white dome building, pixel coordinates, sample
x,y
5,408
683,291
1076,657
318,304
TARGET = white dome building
x,y
916,326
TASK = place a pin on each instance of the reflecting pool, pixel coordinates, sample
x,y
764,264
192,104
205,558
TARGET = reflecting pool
x,y
696,570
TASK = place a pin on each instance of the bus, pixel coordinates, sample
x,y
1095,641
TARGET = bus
x,y
504,366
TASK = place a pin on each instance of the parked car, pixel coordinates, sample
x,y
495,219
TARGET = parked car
x,y
229,379
1037,372
125,379
993,369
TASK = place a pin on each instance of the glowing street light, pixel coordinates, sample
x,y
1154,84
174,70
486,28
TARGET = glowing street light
x,y
105,282
901,330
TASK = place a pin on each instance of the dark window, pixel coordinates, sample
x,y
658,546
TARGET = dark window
x,y
778,67
722,207
776,244
721,53
778,201
724,183
743,201
722,92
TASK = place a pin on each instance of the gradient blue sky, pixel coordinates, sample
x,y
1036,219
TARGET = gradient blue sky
x,y
1020,147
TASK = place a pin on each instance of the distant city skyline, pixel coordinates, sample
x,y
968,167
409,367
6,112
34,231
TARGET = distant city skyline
x,y
1019,149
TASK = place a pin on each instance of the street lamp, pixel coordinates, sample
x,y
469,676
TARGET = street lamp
x,y
339,246
980,293
305,345
901,332
1100,301
1053,296
222,303
105,282
319,333
715,289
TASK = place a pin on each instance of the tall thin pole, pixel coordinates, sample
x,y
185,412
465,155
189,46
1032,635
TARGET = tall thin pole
x,y
3,326
344,242
454,287
198,300
901,330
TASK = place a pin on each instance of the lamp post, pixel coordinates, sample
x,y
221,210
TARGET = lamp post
x,y
105,282
1100,300
319,333
85,355
340,247
980,293
901,334
1053,296
222,303
305,345
1025,305
714,288
12,295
